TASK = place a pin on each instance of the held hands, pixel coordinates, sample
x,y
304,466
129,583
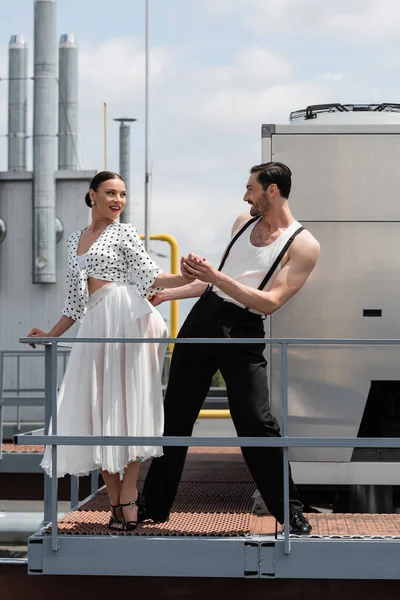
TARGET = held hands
x,y
194,267
37,333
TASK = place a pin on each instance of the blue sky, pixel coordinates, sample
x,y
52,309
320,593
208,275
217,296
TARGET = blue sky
x,y
219,69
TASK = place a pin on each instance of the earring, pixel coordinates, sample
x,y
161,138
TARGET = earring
x,y
93,203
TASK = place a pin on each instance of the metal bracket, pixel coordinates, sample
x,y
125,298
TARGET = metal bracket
x,y
252,560
35,556
267,559
267,131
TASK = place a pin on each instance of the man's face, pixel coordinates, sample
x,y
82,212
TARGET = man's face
x,y
256,197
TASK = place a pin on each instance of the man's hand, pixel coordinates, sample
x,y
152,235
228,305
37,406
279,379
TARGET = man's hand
x,y
200,269
157,299
186,271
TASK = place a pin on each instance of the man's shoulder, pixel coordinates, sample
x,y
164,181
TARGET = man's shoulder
x,y
306,244
240,221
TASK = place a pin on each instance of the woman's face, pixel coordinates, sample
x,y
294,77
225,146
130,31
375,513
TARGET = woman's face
x,y
109,199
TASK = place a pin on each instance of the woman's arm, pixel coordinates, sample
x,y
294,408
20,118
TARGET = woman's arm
x,y
58,329
147,273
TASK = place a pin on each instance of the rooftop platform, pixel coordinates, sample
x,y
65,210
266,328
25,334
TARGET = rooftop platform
x,y
212,532
20,459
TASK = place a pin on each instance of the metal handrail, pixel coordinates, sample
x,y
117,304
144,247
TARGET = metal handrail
x,y
284,442
17,401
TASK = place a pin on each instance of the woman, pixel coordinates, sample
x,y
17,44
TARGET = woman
x,y
111,389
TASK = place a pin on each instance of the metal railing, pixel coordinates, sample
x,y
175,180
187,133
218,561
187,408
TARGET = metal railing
x,y
284,442
19,397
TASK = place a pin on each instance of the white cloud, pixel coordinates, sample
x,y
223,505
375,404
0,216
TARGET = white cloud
x,y
335,77
360,21
250,69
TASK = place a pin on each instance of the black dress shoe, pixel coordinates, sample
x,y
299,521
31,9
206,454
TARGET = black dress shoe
x,y
299,525
157,518
145,512
142,508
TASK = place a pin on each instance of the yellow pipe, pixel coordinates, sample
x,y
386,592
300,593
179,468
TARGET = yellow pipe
x,y
214,413
174,317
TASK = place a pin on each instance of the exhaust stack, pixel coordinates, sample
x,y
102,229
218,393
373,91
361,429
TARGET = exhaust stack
x,y
68,103
125,165
17,103
44,134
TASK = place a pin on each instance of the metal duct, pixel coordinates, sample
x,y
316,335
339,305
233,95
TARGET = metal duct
x,y
124,165
44,134
17,103
68,103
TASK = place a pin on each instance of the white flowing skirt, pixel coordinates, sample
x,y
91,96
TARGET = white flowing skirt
x,y
111,389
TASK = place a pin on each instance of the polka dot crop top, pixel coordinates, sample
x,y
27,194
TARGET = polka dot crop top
x,y
118,254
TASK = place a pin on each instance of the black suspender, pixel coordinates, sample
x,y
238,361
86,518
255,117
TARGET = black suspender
x,y
233,240
276,261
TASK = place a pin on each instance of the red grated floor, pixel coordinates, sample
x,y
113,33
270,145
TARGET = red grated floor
x,y
215,499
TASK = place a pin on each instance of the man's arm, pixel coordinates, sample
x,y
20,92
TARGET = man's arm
x,y
302,258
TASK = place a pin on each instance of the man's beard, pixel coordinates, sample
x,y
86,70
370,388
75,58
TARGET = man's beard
x,y
256,211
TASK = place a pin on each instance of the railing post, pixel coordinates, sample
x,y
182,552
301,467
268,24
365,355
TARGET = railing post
x,y
94,481
54,481
47,417
74,491
1,401
18,393
285,417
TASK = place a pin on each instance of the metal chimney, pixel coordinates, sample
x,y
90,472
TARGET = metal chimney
x,y
68,103
124,165
44,142
17,103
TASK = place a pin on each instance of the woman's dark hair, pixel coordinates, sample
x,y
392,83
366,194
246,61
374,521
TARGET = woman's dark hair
x,y
97,180
274,172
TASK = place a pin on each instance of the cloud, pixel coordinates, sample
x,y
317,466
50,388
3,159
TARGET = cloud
x,y
358,21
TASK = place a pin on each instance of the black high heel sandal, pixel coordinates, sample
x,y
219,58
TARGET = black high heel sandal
x,y
142,515
129,525
114,522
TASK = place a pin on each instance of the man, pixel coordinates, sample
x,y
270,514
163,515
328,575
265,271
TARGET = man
x,y
267,261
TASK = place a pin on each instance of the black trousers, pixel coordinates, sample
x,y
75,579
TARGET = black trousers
x,y
244,369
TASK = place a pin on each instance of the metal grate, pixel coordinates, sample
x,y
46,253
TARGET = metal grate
x,y
12,448
208,506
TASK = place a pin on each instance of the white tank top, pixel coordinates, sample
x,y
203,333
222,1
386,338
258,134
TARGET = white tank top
x,y
249,264
81,260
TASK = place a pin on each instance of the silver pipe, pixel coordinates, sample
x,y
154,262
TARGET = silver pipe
x,y
44,134
17,103
68,103
125,165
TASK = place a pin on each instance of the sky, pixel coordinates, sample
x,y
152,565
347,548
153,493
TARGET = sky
x,y
219,69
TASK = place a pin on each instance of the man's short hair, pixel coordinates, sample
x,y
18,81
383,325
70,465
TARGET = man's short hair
x,y
274,172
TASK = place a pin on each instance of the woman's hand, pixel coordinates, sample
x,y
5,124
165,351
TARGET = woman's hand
x,y
37,333
200,269
186,272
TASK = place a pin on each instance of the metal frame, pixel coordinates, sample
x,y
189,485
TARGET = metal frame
x,y
212,554
268,129
13,462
